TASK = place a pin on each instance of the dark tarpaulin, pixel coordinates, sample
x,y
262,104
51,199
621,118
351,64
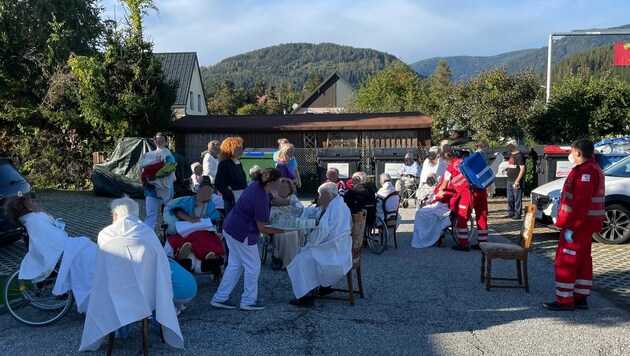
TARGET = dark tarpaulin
x,y
120,174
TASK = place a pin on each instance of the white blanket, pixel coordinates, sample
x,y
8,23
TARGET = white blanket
x,y
327,256
184,228
47,240
429,223
132,279
76,272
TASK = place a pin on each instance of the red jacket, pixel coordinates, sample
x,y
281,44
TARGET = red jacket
x,y
582,202
459,182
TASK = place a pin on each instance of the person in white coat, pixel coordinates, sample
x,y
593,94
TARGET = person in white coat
x,y
132,279
48,242
327,255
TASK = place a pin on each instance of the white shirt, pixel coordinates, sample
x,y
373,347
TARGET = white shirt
x,y
429,167
210,166
413,169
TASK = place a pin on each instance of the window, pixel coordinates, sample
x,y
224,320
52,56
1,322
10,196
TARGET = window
x,y
199,102
192,101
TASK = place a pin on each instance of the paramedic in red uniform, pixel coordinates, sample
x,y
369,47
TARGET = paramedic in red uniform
x,y
463,203
580,214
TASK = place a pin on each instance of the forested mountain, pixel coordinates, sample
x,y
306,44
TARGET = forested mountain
x,y
466,67
291,63
596,61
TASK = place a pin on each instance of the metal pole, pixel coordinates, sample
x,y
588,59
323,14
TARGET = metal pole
x,y
548,89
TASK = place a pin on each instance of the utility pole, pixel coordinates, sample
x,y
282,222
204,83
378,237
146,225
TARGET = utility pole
x,y
575,33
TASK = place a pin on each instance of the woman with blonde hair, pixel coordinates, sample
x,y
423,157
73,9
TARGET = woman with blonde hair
x,y
230,179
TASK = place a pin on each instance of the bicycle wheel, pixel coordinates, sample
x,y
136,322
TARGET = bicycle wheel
x,y
263,243
33,303
377,236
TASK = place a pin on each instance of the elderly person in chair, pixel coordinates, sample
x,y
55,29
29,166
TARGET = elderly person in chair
x,y
133,280
327,256
409,173
192,239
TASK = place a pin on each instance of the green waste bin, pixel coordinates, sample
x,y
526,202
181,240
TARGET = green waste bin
x,y
263,158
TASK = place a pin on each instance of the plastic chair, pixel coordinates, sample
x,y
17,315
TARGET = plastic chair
x,y
518,252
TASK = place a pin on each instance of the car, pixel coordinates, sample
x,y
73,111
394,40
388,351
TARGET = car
x,y
616,229
12,183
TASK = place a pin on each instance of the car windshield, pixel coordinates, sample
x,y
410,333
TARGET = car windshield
x,y
619,169
8,175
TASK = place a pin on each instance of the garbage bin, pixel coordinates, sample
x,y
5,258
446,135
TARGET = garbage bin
x,y
263,157
553,162
390,160
346,160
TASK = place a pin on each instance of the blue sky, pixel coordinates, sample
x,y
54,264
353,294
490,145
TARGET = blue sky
x,y
411,30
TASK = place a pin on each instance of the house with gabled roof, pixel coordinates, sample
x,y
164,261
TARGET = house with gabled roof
x,y
330,97
183,67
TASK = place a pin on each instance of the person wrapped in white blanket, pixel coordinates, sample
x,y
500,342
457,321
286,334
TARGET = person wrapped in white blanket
x,y
327,255
133,278
47,243
286,244
431,219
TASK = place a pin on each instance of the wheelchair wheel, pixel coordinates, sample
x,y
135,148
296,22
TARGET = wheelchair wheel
x,y
471,228
33,303
377,236
263,246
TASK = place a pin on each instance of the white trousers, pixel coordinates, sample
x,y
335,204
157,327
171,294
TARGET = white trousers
x,y
152,208
243,257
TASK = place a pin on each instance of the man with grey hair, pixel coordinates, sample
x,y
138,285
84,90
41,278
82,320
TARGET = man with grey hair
x,y
327,256
211,160
409,173
515,173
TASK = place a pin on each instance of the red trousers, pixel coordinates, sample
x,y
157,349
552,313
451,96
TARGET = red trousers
x,y
574,267
202,243
478,200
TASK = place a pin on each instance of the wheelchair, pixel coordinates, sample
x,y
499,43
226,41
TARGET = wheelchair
x,y
409,193
265,245
377,236
33,303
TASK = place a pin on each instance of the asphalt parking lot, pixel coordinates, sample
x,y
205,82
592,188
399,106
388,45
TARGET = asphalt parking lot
x,y
425,302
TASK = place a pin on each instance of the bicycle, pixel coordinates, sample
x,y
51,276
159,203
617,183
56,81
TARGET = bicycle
x,y
33,303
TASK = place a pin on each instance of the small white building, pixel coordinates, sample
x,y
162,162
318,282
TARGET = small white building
x,y
183,67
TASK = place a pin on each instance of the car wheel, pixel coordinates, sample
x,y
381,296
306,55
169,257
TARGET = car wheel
x,y
616,229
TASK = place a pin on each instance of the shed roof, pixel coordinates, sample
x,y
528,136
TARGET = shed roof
x,y
306,122
179,66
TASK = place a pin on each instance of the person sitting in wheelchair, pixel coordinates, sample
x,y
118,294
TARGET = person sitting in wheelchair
x,y
362,196
196,246
432,218
392,203
409,174
47,243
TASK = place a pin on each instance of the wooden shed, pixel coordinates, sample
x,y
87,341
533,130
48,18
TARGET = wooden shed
x,y
308,131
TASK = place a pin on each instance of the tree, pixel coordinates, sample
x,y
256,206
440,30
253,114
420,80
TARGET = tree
x,y
123,91
395,89
582,106
437,99
225,98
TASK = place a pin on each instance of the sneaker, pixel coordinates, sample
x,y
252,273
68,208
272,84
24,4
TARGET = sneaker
x,y
581,304
325,291
303,302
475,247
507,216
211,256
516,217
460,248
256,306
184,251
224,305
555,306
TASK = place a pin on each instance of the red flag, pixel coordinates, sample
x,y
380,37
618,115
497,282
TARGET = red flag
x,y
622,54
